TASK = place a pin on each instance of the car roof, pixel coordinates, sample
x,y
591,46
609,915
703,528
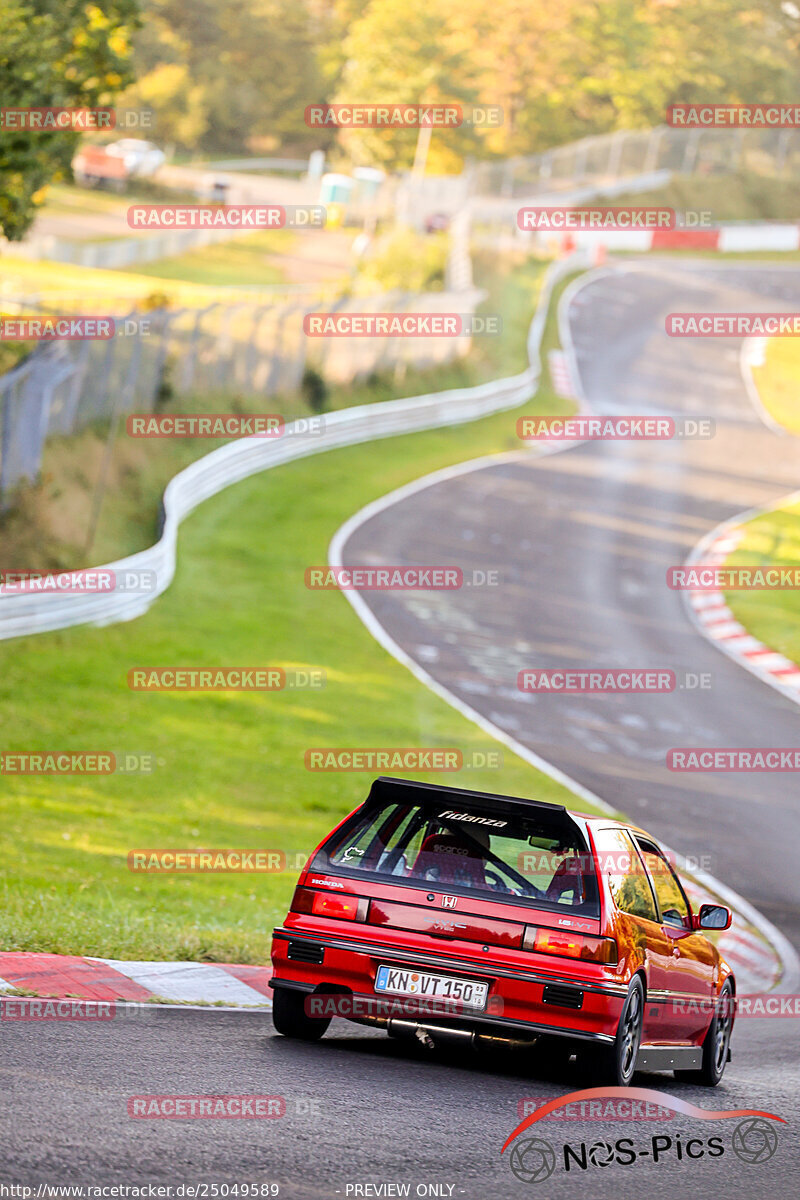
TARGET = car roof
x,y
601,822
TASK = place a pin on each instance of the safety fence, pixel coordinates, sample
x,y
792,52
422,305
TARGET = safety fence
x,y
614,156
65,386
35,612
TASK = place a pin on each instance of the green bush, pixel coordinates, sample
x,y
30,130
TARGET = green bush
x,y
407,261
314,390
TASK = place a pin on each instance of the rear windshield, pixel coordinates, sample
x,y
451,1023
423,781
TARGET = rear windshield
x,y
539,860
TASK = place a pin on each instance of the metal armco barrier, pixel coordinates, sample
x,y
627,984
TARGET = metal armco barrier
x,y
26,613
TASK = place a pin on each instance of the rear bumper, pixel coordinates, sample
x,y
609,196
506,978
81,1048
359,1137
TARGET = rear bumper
x,y
521,1001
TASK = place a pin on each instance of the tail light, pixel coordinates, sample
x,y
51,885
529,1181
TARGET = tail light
x,y
569,945
327,904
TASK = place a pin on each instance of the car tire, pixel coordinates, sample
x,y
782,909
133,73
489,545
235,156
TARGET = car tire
x,y
716,1043
615,1065
291,1019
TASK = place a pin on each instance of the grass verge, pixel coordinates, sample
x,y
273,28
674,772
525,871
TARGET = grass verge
x,y
47,523
778,382
738,196
240,262
773,538
230,766
58,284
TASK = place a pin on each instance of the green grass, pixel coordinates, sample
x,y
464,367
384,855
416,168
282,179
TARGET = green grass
x,y
63,282
230,766
778,382
47,523
12,353
69,200
237,263
63,199
772,539
739,196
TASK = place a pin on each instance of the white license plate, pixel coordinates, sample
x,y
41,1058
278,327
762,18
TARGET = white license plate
x,y
402,982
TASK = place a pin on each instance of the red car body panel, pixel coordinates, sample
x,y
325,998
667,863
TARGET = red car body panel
x,y
477,937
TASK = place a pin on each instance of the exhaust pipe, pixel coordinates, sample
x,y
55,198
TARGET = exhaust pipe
x,y
430,1035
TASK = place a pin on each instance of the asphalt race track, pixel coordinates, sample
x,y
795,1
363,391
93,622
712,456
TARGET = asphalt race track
x,y
360,1109
581,541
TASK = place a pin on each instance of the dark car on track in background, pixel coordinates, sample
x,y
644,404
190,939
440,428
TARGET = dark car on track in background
x,y
443,914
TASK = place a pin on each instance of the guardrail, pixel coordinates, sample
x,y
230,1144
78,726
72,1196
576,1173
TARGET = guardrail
x,y
603,158
118,253
261,349
37,612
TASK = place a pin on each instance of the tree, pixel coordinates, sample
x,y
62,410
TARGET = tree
x,y
54,53
560,71
249,65
406,54
179,107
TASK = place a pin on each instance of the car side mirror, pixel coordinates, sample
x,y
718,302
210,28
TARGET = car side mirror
x,y
712,916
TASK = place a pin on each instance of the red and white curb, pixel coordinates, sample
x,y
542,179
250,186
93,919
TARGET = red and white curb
x,y
755,963
726,239
560,375
66,975
714,619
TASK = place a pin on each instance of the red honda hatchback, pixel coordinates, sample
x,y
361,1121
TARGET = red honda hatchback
x,y
444,914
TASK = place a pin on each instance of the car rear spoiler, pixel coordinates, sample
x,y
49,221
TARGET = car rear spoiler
x,y
409,791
